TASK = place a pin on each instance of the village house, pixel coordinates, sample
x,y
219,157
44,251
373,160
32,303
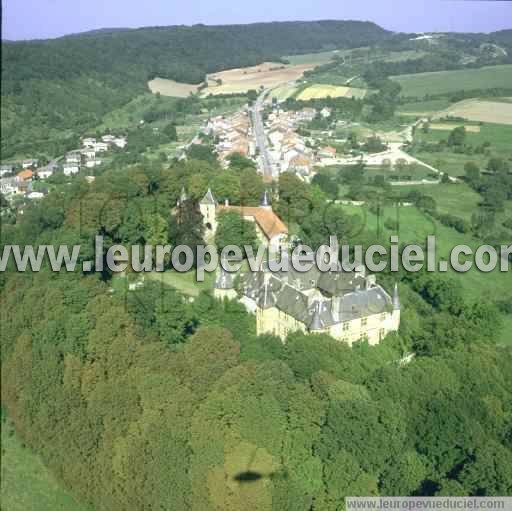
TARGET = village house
x,y
100,147
6,169
88,142
348,306
74,157
70,168
300,164
325,112
45,173
120,142
327,152
29,164
24,175
9,186
88,152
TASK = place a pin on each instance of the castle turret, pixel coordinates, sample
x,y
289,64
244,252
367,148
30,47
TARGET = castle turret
x,y
183,197
208,208
395,315
317,324
224,284
396,298
265,201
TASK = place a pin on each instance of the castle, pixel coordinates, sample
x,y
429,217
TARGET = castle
x,y
270,229
347,306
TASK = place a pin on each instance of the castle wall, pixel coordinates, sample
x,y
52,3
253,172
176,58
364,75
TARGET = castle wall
x,y
374,328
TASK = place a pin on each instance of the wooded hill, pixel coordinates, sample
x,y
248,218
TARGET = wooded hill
x,y
52,89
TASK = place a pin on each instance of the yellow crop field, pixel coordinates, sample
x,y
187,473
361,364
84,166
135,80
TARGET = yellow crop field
x,y
266,75
498,112
334,91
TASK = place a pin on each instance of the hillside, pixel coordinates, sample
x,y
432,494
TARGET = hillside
x,y
59,87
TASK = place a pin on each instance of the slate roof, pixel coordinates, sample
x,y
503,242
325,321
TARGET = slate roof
x,y
208,199
319,300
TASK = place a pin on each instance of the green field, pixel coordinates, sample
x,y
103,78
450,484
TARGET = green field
x,y
423,107
334,91
27,485
443,82
456,199
414,227
184,282
318,58
283,92
499,136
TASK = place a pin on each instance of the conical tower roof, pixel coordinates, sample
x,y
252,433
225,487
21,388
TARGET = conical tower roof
x,y
316,323
224,279
396,298
265,200
208,199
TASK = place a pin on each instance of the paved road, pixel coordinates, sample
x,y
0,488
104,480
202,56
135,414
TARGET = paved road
x,y
261,138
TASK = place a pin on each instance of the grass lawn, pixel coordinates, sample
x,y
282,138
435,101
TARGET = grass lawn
x,y
451,163
27,485
441,82
506,332
456,199
423,107
499,136
185,282
334,91
414,227
283,92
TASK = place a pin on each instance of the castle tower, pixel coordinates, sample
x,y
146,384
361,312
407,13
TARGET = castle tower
x,y
317,325
395,315
265,201
208,208
183,197
224,285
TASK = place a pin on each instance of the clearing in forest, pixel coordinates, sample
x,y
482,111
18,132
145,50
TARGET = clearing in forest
x,y
172,88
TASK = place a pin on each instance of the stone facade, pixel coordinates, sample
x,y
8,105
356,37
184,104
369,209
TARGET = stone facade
x,y
347,306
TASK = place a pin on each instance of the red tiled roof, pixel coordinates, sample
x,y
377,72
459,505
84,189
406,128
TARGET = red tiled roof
x,y
267,220
25,174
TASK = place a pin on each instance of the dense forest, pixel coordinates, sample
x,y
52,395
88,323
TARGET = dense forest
x,y
147,400
53,89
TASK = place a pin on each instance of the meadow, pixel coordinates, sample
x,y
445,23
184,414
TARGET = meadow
x,y
415,226
423,108
283,92
334,91
27,485
498,135
443,82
